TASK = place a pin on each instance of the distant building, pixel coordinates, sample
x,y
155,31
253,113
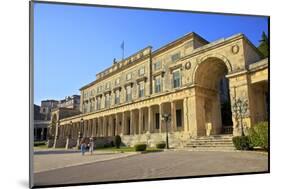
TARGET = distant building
x,y
40,124
42,114
47,106
72,102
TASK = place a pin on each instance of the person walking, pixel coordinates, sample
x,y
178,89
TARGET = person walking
x,y
91,146
83,147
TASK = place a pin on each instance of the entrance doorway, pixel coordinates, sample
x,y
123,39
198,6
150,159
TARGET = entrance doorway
x,y
213,97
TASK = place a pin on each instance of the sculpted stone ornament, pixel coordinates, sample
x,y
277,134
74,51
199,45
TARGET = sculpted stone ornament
x,y
235,49
188,65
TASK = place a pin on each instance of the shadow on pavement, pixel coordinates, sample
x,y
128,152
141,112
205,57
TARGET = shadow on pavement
x,y
47,152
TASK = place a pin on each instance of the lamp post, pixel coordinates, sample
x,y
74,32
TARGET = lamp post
x,y
240,108
166,117
82,127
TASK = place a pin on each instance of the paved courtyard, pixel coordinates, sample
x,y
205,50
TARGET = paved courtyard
x,y
155,165
54,159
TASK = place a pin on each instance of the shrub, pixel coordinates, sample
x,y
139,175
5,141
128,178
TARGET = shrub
x,y
258,135
107,145
140,147
241,142
117,141
39,143
161,145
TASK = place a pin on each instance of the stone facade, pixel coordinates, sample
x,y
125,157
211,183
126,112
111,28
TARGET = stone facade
x,y
71,102
182,79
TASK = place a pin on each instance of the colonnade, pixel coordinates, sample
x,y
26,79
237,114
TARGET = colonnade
x,y
129,122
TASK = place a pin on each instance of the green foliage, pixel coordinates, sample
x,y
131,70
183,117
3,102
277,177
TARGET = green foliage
x,y
241,142
258,135
40,143
140,147
117,141
263,47
107,145
161,145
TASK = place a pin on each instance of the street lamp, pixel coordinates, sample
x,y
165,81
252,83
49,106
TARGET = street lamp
x,y
82,127
240,108
166,117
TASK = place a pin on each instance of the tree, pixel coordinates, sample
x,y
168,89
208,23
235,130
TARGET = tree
x,y
263,47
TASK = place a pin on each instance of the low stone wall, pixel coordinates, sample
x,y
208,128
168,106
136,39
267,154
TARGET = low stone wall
x,y
59,143
70,143
102,141
50,143
176,139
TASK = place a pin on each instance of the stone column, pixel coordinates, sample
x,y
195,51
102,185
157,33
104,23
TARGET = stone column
x,y
93,132
160,119
100,126
149,128
110,126
132,129
89,128
116,124
140,121
185,115
85,126
103,126
123,123
56,135
173,117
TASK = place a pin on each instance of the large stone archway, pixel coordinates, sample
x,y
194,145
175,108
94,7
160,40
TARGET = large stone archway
x,y
212,92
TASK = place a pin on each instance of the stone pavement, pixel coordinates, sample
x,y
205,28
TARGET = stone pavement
x,y
46,160
158,165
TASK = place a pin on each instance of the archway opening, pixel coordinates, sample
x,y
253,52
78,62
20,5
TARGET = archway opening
x,y
213,92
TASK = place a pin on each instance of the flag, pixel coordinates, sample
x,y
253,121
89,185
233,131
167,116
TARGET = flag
x,y
122,47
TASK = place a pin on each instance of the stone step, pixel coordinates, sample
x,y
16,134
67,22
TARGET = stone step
x,y
215,143
212,140
209,145
210,148
215,137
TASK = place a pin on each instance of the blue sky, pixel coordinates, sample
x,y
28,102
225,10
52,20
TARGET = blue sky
x,y
73,43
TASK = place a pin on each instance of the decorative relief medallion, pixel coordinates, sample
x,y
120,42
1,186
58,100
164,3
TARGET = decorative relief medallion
x,y
188,65
235,49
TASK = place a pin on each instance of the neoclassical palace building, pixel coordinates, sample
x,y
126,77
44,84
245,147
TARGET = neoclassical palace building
x,y
194,81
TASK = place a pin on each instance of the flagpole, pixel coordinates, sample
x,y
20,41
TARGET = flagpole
x,y
123,49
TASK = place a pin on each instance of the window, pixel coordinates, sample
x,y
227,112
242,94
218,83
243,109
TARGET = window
x,y
128,76
92,92
175,57
141,89
157,84
157,121
141,71
157,66
84,108
107,85
176,79
117,81
178,117
128,93
99,89
117,97
107,101
98,103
